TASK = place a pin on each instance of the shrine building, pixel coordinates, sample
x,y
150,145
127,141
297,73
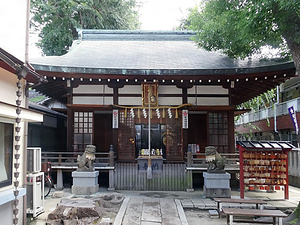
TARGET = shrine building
x,y
120,87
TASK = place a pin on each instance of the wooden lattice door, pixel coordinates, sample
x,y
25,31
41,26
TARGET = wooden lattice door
x,y
126,136
172,137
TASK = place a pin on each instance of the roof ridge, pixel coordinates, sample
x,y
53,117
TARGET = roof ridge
x,y
144,35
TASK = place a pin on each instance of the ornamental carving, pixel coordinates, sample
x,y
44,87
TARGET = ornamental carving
x,y
150,94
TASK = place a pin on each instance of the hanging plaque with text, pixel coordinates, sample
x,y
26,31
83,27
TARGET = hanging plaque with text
x,y
185,119
115,121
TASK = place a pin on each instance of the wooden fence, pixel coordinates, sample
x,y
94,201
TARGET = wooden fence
x,y
196,162
127,176
68,160
173,177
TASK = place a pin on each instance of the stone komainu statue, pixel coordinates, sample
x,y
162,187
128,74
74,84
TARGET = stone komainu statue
x,y
85,161
216,162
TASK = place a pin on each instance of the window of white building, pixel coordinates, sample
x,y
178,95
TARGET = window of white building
x,y
6,152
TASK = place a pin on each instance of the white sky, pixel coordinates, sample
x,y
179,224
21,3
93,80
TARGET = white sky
x,y
163,14
13,27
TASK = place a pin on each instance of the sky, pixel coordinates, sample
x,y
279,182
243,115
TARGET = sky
x,y
13,27
164,14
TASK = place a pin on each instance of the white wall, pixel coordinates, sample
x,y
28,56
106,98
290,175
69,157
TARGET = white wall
x,y
91,100
131,89
203,89
8,87
208,90
203,101
92,89
164,89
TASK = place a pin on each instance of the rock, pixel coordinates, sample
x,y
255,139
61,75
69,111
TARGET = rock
x,y
114,198
58,194
105,221
83,211
75,211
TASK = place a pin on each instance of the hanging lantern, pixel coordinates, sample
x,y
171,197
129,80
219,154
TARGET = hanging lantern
x,y
176,114
125,113
164,113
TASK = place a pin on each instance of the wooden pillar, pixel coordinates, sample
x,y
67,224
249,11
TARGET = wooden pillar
x,y
115,95
184,141
70,118
184,131
231,143
184,95
115,131
70,130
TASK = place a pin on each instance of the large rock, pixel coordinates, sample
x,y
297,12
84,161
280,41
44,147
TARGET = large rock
x,y
82,211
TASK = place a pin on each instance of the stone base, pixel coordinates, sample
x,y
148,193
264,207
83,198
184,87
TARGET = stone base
x,y
217,192
217,185
85,183
85,190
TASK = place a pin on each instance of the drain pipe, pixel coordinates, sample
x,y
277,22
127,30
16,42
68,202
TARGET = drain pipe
x,y
26,106
27,33
275,111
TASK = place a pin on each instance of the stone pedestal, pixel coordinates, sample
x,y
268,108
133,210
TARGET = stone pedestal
x,y
216,185
85,183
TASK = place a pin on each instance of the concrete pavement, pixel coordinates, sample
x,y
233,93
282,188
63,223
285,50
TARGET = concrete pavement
x,y
174,208
148,211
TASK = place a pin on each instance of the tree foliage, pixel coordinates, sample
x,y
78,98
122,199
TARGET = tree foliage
x,y
261,102
58,20
264,100
241,27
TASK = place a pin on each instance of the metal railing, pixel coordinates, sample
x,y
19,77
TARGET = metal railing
x,y
281,109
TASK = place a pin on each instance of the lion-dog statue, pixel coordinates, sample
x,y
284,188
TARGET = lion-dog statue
x,y
85,161
216,162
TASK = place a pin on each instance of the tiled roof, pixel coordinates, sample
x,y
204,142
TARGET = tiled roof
x,y
147,52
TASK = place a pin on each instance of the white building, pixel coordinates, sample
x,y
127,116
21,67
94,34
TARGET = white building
x,y
15,78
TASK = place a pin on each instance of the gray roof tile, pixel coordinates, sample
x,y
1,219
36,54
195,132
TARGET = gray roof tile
x,y
170,52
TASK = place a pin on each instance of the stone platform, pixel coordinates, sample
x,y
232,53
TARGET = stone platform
x,y
217,185
85,183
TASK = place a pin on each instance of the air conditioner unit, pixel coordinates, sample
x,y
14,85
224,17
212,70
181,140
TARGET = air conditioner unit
x,y
34,160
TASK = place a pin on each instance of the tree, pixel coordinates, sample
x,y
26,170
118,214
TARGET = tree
x,y
241,27
263,101
58,20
